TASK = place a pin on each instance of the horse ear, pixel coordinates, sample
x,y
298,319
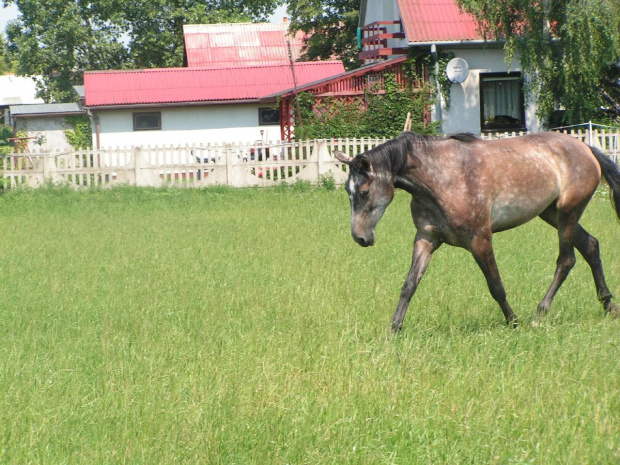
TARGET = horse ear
x,y
342,157
365,164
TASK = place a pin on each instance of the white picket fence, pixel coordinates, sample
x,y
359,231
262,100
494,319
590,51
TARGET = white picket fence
x,y
607,140
237,165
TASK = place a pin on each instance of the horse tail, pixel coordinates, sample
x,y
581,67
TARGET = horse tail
x,y
611,173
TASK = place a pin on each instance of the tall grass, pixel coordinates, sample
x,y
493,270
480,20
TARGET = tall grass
x,y
245,326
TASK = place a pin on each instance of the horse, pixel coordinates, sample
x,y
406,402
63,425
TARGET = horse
x,y
463,189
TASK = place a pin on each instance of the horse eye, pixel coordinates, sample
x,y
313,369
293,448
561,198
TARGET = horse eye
x,y
365,192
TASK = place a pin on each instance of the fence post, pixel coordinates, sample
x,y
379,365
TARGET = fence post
x,y
46,167
229,165
321,152
137,161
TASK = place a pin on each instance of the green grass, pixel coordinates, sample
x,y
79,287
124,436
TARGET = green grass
x,y
227,326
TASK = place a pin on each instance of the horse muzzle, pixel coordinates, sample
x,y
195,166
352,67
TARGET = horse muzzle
x,y
364,241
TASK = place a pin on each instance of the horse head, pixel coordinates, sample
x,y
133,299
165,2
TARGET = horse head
x,y
369,193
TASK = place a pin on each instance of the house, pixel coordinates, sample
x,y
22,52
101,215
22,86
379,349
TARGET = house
x,y
486,93
178,106
15,90
215,99
45,124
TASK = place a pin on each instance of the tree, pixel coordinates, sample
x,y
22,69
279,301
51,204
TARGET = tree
x,y
57,40
566,47
60,39
3,55
331,26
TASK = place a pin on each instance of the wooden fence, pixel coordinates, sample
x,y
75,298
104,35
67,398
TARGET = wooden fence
x,y
237,165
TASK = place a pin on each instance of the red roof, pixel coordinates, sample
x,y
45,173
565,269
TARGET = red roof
x,y
199,85
240,44
437,21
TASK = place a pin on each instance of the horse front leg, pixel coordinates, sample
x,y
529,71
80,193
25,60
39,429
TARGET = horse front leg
x,y
423,248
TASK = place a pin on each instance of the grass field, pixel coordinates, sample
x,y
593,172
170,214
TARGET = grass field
x,y
229,326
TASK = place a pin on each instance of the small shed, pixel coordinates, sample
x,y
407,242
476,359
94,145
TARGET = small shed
x,y
45,124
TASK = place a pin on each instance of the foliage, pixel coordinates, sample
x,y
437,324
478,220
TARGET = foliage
x,y
565,47
6,65
331,26
420,57
327,181
244,326
5,145
57,40
383,115
80,137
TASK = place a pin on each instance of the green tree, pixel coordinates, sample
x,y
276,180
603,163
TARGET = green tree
x,y
56,40
566,47
60,39
331,27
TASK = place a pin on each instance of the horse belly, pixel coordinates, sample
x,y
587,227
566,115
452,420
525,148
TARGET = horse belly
x,y
509,211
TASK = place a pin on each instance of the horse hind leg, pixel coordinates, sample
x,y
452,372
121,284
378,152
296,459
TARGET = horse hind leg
x,y
589,248
482,249
566,222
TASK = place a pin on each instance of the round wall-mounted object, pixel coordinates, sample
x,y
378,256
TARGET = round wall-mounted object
x,y
457,70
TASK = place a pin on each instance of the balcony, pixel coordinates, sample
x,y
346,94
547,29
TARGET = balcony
x,y
374,41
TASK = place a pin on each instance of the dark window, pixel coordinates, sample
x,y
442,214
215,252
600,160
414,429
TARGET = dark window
x,y
268,116
501,102
146,121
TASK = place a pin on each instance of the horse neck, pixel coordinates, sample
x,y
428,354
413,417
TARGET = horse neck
x,y
413,174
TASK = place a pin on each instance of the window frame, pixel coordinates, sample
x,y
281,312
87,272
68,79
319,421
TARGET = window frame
x,y
144,113
486,127
260,120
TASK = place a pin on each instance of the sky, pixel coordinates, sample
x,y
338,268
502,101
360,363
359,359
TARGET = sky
x,y
7,14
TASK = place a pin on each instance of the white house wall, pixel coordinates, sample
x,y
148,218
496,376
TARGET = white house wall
x,y
464,112
186,125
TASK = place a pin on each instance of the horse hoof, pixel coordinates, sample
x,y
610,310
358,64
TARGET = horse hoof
x,y
613,311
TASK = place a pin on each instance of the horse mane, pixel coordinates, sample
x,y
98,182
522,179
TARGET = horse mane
x,y
392,155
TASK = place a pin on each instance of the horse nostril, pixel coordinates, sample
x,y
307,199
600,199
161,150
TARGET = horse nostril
x,y
363,241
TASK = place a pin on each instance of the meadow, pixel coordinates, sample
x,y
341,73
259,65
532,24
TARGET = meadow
x,y
222,326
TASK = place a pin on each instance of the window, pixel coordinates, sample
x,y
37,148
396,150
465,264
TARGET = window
x,y
146,121
501,102
268,116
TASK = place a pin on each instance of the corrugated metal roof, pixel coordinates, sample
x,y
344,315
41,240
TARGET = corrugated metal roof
x,y
79,90
182,85
437,21
45,109
239,44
